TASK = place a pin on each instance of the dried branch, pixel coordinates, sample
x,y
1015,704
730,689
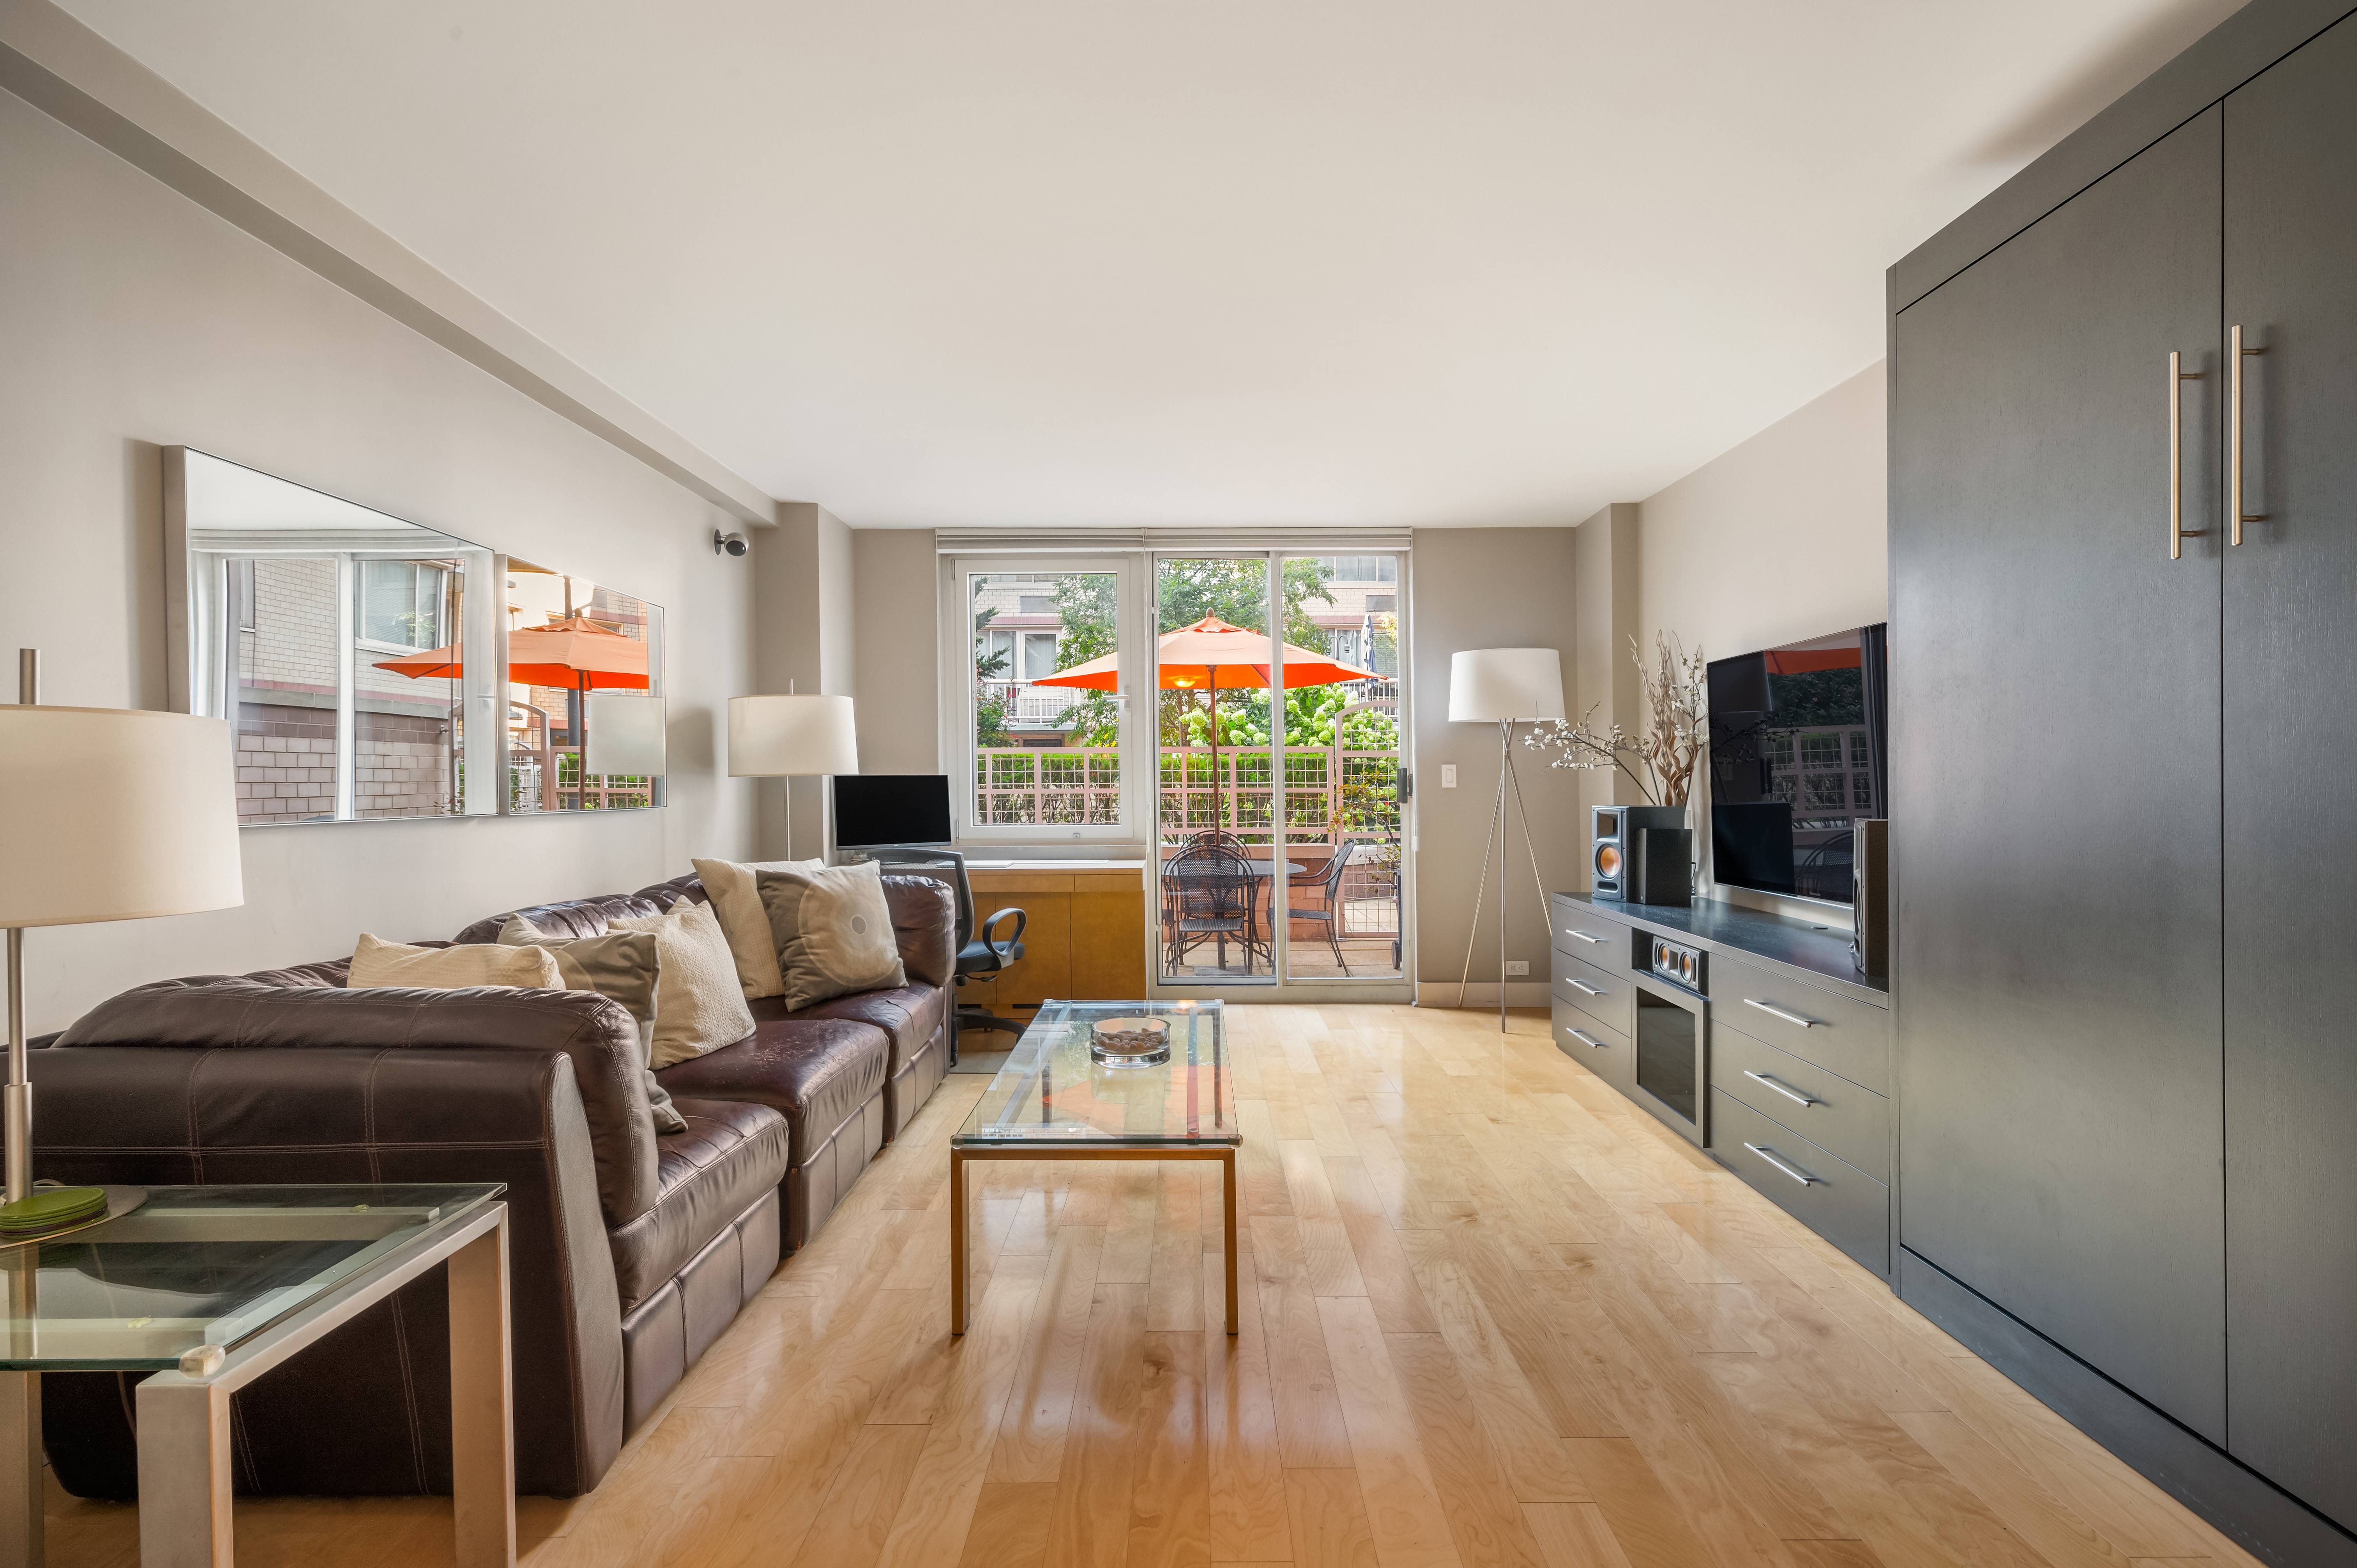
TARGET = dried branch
x,y
1674,737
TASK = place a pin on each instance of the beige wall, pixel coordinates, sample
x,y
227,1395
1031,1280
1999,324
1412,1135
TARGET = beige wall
x,y
1486,587
134,318
804,641
1605,559
1778,539
897,646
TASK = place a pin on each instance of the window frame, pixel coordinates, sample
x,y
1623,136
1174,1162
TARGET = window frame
x,y
1131,585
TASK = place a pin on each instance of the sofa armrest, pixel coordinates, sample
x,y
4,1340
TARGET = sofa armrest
x,y
925,920
210,1014
365,1410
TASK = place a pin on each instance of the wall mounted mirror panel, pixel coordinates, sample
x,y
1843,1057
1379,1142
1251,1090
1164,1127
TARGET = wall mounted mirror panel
x,y
364,662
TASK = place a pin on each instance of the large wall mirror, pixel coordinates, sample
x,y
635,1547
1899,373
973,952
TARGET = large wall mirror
x,y
376,669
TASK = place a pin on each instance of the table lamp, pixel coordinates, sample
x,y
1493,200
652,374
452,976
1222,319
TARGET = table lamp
x,y
1500,685
790,737
110,814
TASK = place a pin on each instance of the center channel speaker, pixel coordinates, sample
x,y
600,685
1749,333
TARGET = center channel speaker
x,y
1632,853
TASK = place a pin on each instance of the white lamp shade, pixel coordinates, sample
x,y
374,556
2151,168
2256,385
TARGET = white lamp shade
x,y
771,737
626,734
115,814
1489,684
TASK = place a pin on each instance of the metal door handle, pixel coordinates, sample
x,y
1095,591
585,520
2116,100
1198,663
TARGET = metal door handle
x,y
2236,515
1583,1037
1582,985
1778,1012
1583,936
1792,1094
1797,1176
2178,532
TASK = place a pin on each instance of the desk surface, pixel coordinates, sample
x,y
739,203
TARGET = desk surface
x,y
972,865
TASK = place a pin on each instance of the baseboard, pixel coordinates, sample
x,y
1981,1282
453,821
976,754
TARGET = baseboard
x,y
2249,1509
1482,994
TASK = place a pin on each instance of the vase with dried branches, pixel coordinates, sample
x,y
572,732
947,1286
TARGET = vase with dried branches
x,y
1674,737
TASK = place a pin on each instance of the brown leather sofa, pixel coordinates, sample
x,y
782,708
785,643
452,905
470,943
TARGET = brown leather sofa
x,y
630,1250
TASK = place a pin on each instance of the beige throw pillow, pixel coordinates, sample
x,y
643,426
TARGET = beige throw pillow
x,y
622,965
833,932
698,1005
376,962
737,902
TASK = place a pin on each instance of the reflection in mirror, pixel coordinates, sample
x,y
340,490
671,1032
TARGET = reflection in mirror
x,y
574,648
332,637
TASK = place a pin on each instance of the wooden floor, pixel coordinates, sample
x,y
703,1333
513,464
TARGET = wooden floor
x,y
1492,1314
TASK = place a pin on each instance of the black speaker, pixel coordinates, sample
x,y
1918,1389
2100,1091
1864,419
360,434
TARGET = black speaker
x,y
1661,868
1870,948
1614,846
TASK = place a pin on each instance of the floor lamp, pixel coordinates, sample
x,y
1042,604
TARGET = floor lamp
x,y
1501,685
790,737
105,814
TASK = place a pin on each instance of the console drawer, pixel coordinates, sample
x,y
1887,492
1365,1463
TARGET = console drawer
x,y
1595,990
1592,939
1832,1032
1839,1202
1854,1123
1603,1050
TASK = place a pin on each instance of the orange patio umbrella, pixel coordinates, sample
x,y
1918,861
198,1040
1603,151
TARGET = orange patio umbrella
x,y
575,653
1212,655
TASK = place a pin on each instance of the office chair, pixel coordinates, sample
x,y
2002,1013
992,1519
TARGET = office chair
x,y
980,955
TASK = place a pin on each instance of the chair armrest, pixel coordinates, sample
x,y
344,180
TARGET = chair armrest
x,y
1003,951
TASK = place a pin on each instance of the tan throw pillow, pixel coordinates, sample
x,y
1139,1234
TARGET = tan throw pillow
x,y
833,932
376,962
698,1007
737,902
622,965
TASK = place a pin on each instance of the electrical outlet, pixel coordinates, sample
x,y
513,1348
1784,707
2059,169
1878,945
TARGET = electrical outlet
x,y
1449,776
1515,966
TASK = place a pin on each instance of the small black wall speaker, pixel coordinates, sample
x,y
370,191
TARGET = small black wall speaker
x,y
1870,948
1614,845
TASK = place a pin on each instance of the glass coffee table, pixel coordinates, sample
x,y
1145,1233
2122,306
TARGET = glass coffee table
x,y
1055,1100
209,1288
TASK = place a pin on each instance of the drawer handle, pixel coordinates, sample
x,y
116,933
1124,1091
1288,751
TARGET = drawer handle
x,y
1583,936
1582,985
1793,1018
1797,1176
1583,1037
1791,1094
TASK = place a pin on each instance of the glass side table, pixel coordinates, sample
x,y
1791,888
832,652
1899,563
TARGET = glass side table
x,y
209,1288
1055,1100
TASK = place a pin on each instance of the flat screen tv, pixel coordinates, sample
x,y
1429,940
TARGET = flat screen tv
x,y
1799,755
877,811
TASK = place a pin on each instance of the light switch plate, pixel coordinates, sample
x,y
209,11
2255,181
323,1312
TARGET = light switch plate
x,y
1449,776
1515,966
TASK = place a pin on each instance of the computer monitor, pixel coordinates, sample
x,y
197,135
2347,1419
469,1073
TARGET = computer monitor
x,y
878,811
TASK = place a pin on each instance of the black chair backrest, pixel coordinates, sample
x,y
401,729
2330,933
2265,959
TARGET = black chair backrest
x,y
1210,880
938,859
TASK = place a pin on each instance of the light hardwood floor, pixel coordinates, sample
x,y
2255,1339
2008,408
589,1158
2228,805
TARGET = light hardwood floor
x,y
1492,1314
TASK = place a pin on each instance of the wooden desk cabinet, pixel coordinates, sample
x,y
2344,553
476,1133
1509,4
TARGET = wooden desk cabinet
x,y
1085,941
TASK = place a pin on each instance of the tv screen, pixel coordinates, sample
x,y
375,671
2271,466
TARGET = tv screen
x,y
875,809
1798,757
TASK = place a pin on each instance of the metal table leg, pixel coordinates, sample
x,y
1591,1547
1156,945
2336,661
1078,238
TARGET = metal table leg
x,y
1227,1225
957,1240
184,1498
482,1414
20,1466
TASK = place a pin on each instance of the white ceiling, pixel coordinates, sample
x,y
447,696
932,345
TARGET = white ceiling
x,y
937,263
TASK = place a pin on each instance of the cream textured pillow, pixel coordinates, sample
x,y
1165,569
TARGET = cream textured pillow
x,y
738,902
376,962
833,932
698,1005
622,965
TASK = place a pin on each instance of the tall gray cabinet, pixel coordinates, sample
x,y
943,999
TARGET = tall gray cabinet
x,y
2123,777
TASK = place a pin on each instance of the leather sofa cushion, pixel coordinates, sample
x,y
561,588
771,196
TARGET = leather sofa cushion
x,y
816,1071
571,917
908,1014
732,1153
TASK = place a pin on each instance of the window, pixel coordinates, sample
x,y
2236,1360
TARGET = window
x,y
1361,568
1861,792
1778,749
1038,761
1821,751
1035,603
1039,655
401,603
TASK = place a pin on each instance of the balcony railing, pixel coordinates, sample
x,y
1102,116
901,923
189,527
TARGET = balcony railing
x,y
1327,795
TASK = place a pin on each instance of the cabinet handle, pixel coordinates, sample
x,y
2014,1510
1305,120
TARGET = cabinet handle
x,y
2236,515
1583,936
1791,1094
1778,1012
1797,1176
2178,532
1585,1038
1583,985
